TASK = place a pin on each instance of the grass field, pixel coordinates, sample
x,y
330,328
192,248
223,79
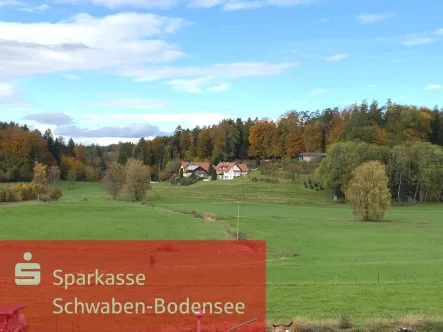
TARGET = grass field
x,y
368,270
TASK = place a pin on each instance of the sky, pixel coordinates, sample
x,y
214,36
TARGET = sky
x,y
104,71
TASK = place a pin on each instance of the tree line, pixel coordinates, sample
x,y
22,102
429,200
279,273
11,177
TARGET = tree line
x,y
414,170
293,132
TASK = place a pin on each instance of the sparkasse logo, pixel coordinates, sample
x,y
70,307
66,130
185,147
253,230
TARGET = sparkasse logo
x,y
27,274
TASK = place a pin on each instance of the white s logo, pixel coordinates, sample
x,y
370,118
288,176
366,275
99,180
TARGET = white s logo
x,y
27,274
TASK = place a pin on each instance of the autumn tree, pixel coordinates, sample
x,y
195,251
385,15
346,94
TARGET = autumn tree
x,y
294,143
40,177
137,179
204,144
172,167
368,192
313,136
54,174
114,179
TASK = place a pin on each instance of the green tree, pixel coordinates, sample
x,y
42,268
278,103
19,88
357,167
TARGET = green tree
x,y
335,170
140,151
114,179
125,151
72,177
137,179
368,192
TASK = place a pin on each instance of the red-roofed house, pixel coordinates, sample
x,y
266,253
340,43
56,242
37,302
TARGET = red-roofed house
x,y
244,169
230,170
198,168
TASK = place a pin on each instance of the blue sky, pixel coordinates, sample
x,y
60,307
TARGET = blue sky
x,y
109,70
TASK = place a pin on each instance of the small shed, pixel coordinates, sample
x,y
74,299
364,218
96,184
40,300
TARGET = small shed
x,y
309,156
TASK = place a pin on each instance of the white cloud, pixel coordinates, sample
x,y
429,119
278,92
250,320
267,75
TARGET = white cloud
x,y
71,76
239,5
419,41
114,4
324,20
337,57
85,42
373,18
433,87
190,85
37,9
130,103
205,3
440,31
219,71
299,102
186,120
317,92
11,98
220,87
6,90
10,3
231,5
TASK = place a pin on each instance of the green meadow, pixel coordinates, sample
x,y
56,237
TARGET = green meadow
x,y
322,262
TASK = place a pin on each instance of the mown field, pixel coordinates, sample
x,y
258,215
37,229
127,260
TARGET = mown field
x,y
371,271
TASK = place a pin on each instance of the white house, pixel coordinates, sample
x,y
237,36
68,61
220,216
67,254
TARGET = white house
x,y
230,170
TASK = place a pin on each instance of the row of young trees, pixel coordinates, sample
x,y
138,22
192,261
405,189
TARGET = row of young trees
x,y
414,170
294,132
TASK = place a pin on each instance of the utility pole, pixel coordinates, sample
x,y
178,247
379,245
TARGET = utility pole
x,y
238,216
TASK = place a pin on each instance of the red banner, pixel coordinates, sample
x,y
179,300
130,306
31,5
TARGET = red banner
x,y
132,285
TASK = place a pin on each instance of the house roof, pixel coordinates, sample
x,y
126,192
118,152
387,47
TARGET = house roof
x,y
224,166
243,167
10,309
312,154
203,165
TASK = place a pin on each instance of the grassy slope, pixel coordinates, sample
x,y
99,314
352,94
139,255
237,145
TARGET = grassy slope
x,y
99,218
339,263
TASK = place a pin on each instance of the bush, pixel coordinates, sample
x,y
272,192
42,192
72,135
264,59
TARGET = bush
x,y
184,181
27,191
310,181
305,183
208,216
8,195
345,322
311,186
54,194
45,198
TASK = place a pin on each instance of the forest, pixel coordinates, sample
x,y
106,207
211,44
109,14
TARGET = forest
x,y
393,128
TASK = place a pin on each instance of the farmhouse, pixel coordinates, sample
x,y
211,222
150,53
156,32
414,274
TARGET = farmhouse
x,y
200,169
309,156
230,170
